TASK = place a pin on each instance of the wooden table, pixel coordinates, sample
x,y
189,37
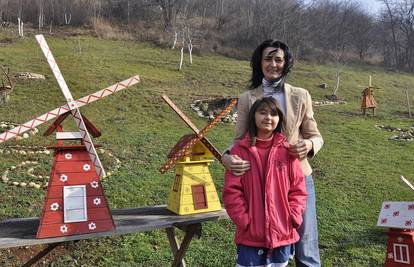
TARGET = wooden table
x,y
22,232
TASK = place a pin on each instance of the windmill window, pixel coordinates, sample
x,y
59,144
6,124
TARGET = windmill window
x,y
401,253
74,203
176,182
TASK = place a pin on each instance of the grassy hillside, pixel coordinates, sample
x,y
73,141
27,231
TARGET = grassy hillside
x,y
356,170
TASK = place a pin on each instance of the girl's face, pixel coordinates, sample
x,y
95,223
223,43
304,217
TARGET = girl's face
x,y
273,62
266,122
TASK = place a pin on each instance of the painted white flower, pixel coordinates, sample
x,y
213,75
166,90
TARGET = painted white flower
x,y
94,184
400,239
86,167
68,156
92,226
54,206
64,228
390,255
97,201
63,178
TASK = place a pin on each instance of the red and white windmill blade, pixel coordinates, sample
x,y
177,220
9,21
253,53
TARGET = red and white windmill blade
x,y
72,106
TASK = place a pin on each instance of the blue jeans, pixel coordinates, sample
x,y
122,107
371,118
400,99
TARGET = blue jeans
x,y
307,249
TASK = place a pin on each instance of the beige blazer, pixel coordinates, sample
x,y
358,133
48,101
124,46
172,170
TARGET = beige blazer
x,y
298,123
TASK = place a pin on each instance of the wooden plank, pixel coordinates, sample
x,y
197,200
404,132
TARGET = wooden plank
x,y
22,232
68,135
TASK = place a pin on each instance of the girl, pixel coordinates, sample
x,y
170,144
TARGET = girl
x,y
266,203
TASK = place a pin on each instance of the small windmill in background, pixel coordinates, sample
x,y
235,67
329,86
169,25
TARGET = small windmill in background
x,y
368,100
399,218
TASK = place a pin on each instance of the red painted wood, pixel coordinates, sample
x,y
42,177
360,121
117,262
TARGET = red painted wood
x,y
75,156
57,191
400,237
57,123
89,202
53,230
51,217
72,168
75,166
73,178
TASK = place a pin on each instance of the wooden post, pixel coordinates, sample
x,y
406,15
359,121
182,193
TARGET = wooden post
x,y
408,103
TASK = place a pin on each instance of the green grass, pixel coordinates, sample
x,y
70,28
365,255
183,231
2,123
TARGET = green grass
x,y
356,170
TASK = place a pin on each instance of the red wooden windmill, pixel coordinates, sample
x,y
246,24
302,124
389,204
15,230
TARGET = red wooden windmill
x,y
75,201
399,218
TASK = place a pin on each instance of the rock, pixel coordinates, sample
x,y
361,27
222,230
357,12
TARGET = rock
x,y
25,135
217,111
204,107
323,86
29,75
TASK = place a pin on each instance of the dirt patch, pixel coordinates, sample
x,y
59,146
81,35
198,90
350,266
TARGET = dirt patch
x,y
21,255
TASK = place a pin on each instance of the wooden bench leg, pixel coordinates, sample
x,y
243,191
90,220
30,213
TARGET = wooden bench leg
x,y
175,246
180,250
41,254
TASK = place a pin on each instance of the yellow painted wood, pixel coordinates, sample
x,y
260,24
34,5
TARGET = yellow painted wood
x,y
192,171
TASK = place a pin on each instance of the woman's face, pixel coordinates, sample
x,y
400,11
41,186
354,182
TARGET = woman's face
x,y
266,122
273,62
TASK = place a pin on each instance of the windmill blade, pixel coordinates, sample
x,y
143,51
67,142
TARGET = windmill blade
x,y
87,141
180,153
407,182
65,108
180,114
187,121
218,117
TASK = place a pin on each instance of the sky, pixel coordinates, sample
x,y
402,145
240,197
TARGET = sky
x,y
372,6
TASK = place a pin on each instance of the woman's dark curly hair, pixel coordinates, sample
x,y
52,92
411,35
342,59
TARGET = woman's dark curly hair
x,y
260,104
256,61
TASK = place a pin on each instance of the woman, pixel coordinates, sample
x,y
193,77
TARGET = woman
x,y
271,62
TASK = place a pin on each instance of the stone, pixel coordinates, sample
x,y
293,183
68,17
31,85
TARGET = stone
x,y
29,75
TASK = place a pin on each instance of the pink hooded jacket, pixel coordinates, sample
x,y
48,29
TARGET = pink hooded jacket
x,y
266,217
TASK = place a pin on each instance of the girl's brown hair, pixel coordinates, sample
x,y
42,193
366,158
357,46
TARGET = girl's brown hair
x,y
260,104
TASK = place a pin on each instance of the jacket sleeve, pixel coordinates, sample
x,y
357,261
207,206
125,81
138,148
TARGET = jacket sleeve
x,y
234,200
309,128
242,116
297,192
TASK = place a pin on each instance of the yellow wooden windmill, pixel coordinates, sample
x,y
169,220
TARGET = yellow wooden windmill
x,y
193,190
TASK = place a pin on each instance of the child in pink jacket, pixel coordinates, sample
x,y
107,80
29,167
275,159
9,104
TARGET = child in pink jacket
x,y
267,202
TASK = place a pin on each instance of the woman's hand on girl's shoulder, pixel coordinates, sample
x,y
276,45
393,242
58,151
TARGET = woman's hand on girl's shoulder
x,y
235,164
